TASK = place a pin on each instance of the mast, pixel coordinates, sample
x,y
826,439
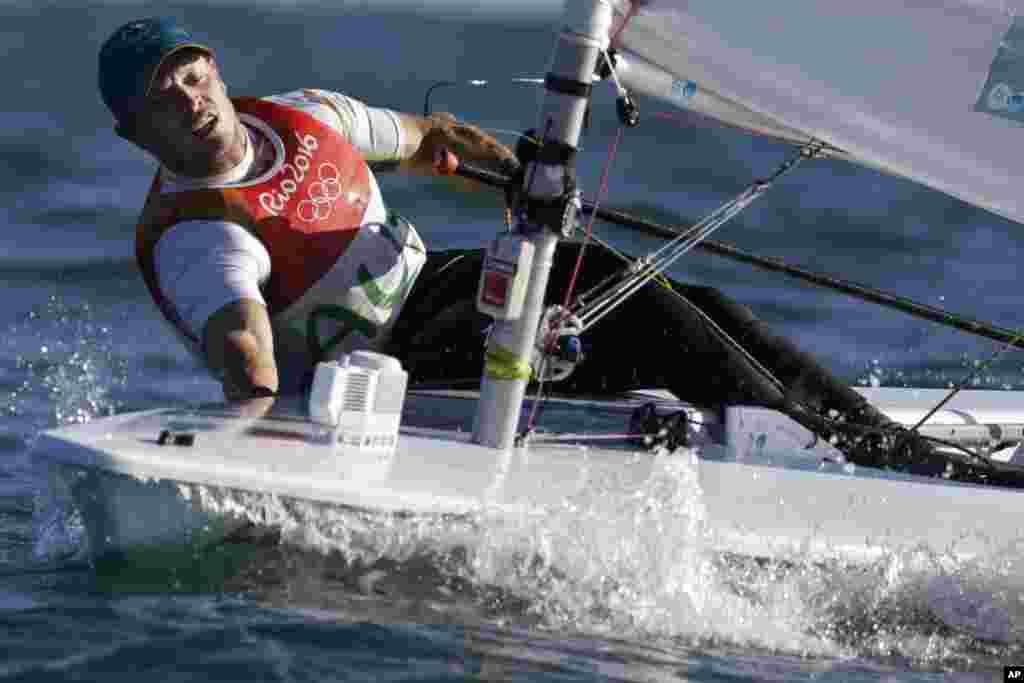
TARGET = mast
x,y
548,208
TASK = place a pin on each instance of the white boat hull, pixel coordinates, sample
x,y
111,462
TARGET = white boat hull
x,y
757,489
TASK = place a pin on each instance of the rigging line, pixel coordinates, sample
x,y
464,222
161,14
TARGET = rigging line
x,y
599,287
963,383
729,341
816,422
473,82
697,228
538,396
648,266
625,258
697,232
717,331
620,293
619,88
664,257
853,289
711,324
601,193
617,295
634,7
859,291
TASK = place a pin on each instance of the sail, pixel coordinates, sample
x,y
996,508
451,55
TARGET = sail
x,y
933,91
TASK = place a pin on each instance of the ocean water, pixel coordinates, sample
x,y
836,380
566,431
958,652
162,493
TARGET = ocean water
x,y
352,599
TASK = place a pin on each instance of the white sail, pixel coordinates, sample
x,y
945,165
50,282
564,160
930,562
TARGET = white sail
x,y
933,91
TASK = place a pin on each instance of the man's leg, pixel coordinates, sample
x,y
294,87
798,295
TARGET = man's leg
x,y
692,340
712,351
650,341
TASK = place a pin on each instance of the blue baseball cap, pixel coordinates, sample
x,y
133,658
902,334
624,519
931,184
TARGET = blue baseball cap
x,y
131,57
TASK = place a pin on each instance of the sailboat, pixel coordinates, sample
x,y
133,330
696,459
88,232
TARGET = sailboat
x,y
931,93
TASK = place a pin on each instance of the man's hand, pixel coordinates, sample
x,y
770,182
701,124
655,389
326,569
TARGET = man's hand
x,y
442,135
445,163
239,346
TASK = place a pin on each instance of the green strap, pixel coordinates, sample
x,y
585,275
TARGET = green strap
x,y
350,322
501,363
380,297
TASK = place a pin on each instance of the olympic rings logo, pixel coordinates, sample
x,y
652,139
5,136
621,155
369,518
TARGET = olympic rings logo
x,y
322,194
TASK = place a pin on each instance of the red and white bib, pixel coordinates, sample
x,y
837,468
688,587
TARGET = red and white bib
x,y
336,282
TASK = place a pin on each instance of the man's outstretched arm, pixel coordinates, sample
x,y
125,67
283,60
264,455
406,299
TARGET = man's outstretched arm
x,y
239,347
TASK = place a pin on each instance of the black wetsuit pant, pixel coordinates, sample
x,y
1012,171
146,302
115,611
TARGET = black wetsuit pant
x,y
673,337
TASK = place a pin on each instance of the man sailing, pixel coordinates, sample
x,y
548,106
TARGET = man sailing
x,y
266,244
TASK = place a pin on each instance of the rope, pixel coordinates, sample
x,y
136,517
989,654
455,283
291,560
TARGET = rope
x,y
474,83
538,399
967,380
859,291
646,269
601,193
602,187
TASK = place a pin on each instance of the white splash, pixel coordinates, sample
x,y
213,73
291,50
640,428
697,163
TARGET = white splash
x,y
73,371
636,565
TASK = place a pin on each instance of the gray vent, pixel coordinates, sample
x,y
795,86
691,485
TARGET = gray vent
x,y
357,392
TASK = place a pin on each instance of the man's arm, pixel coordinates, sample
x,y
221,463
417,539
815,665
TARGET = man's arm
x,y
424,139
392,140
239,346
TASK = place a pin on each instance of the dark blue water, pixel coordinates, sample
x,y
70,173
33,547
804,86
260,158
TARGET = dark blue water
x,y
81,340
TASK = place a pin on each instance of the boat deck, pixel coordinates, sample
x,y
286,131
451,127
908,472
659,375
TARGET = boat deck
x,y
759,484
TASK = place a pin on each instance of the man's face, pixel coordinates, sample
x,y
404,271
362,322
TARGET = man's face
x,y
188,122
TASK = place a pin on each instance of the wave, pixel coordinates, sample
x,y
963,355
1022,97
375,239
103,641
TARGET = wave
x,y
602,565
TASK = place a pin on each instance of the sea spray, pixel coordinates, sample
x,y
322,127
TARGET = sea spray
x,y
73,375
634,564
626,563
